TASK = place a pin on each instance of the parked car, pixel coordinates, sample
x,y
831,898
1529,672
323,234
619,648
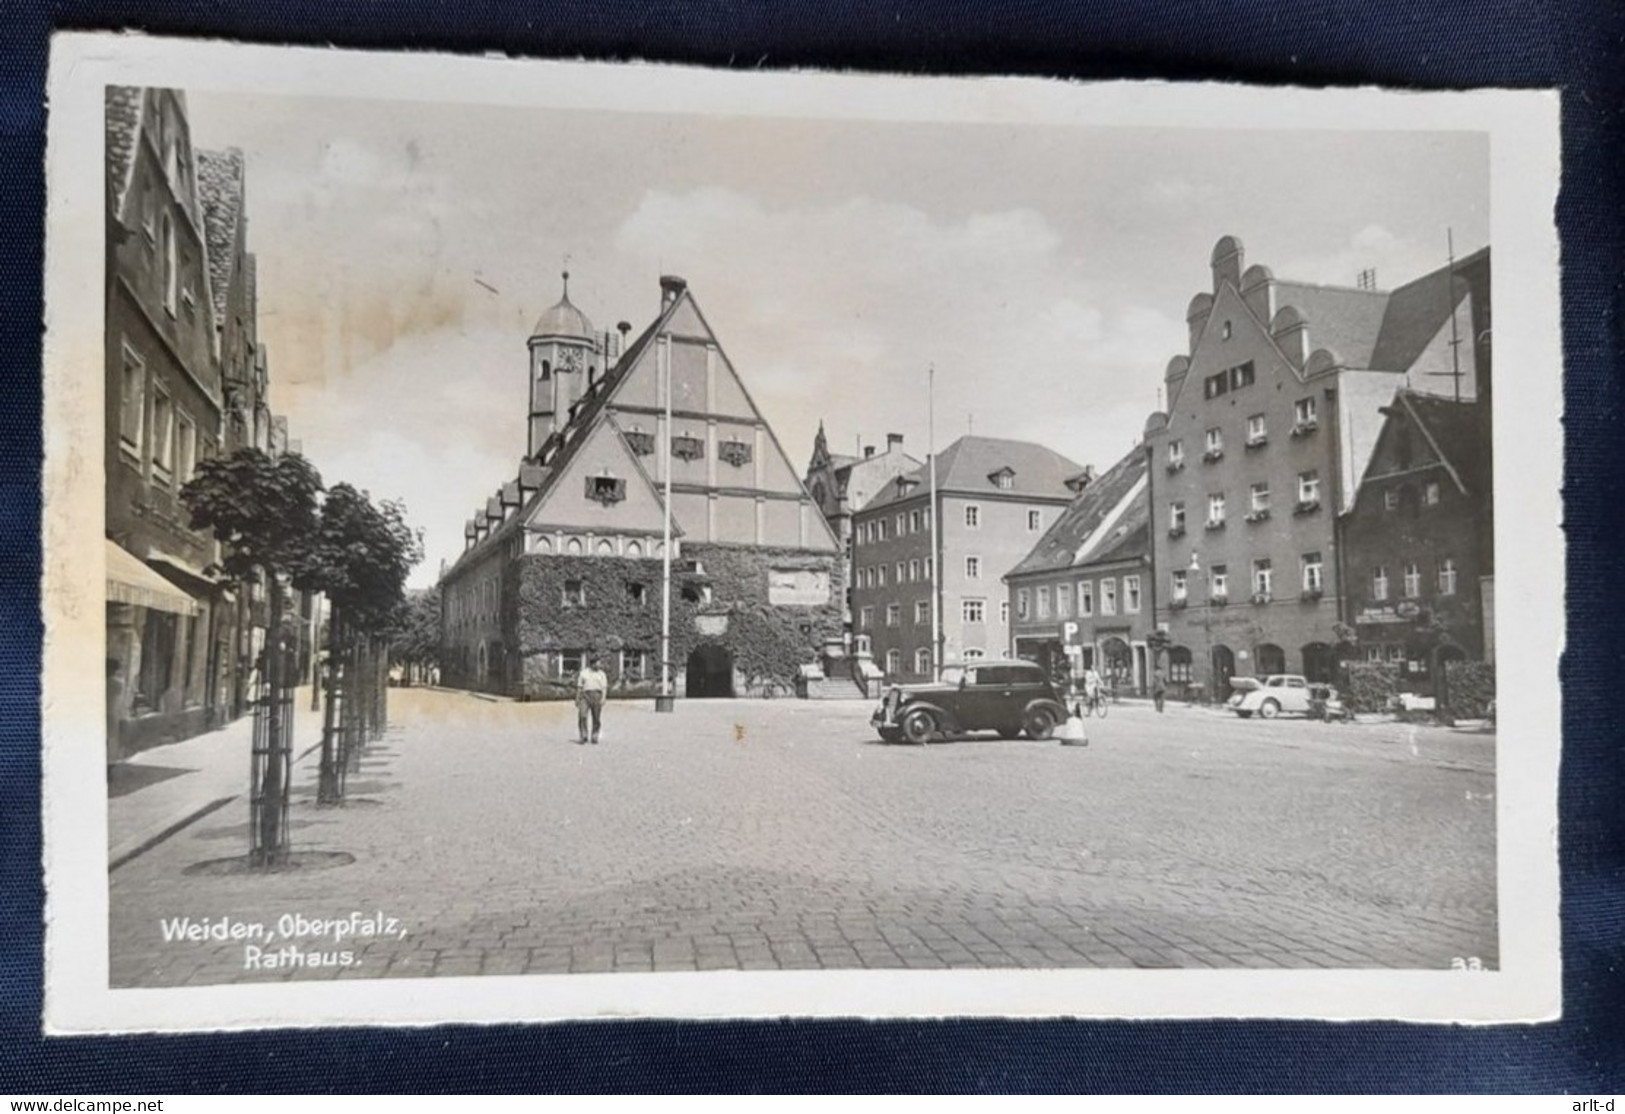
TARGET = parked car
x,y
1239,688
1010,697
1277,693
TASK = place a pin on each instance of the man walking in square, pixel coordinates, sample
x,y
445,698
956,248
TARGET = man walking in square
x,y
592,683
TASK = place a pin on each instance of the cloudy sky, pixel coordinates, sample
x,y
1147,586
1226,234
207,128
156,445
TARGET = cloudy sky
x,y
405,250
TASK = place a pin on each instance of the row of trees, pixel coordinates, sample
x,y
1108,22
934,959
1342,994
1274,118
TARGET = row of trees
x,y
280,526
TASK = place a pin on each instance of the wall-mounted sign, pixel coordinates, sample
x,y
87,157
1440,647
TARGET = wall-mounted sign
x,y
797,587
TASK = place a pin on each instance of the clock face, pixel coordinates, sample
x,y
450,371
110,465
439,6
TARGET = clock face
x,y
569,359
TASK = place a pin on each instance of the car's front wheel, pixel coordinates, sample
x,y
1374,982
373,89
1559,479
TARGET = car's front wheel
x,y
1269,709
919,727
1040,723
891,735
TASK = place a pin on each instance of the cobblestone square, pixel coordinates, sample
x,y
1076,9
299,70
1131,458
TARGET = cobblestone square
x,y
781,834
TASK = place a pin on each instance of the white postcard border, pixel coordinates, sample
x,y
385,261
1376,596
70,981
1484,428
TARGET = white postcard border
x,y
1524,156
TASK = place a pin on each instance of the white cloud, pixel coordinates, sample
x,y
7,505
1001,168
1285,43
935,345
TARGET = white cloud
x,y
836,311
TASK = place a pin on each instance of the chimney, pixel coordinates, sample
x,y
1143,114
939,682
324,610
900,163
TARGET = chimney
x,y
671,287
868,451
624,328
894,441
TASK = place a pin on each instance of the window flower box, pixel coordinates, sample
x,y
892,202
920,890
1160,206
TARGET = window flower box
x,y
1310,595
1306,506
1258,441
1305,428
640,442
1178,603
1211,455
1176,466
1213,524
1258,515
1219,599
1261,598
1176,531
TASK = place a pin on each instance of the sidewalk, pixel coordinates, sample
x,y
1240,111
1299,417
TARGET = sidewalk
x,y
193,778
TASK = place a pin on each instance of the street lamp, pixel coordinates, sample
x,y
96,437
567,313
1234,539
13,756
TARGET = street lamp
x,y
1207,619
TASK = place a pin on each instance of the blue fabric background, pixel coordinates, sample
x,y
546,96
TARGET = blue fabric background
x,y
1439,44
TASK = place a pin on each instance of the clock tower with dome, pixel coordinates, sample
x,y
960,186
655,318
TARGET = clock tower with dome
x,y
564,360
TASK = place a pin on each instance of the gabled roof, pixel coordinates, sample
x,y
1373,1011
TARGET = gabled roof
x,y
1416,313
967,466
1109,520
1341,318
220,189
123,125
1459,431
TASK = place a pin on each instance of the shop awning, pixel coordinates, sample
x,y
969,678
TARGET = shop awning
x,y
131,581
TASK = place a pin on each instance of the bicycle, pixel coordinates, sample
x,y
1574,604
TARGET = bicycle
x,y
1095,704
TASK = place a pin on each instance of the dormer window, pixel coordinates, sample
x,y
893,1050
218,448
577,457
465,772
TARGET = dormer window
x,y
1004,479
607,490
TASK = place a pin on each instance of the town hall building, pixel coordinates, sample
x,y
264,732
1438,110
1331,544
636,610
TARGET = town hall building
x,y
565,561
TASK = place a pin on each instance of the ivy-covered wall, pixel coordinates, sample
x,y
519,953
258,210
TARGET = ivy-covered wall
x,y
768,642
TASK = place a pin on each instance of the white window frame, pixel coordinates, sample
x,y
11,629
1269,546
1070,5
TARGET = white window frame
x,y
163,434
1131,595
894,662
1309,486
1430,493
922,659
1379,583
1303,411
1086,599
1215,507
1176,515
1263,576
922,612
1179,585
1108,595
1448,576
973,611
1176,453
1412,574
1063,601
894,614
1257,429
900,570
973,567
1004,612
1035,521
973,516
1023,604
866,617
1312,573
1041,601
1213,440
185,447
1259,496
133,401
1218,579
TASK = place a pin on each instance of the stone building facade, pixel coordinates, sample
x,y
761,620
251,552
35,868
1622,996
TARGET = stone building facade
x,y
995,499
1271,420
1082,597
186,380
841,484
566,560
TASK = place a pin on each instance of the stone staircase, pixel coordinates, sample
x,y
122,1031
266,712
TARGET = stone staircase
x,y
835,688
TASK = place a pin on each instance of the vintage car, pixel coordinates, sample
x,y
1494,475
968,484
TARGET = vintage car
x,y
1239,688
1279,692
1327,703
1009,697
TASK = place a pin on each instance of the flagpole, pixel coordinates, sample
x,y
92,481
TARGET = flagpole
x,y
936,563
666,702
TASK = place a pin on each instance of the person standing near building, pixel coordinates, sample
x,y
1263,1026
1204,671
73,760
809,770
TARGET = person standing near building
x,y
1159,687
592,683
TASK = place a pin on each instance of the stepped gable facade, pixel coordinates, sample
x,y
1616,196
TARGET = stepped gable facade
x,y
564,561
1272,417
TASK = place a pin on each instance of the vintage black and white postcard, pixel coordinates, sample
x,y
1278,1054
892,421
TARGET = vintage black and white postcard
x,y
534,540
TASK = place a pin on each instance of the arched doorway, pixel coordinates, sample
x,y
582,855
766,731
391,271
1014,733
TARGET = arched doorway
x,y
1119,672
710,672
1270,659
1223,667
1318,663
